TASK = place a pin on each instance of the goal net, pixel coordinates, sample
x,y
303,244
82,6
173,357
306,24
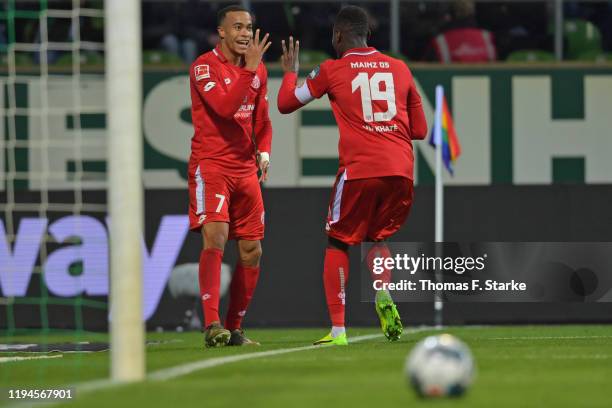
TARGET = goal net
x,y
54,170
53,160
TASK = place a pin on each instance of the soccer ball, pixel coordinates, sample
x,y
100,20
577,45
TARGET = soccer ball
x,y
440,366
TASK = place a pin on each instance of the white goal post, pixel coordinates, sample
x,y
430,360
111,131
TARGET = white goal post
x,y
123,45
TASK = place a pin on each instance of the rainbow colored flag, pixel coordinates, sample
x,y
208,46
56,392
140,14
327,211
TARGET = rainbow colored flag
x,y
450,143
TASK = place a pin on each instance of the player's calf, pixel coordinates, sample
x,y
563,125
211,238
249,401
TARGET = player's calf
x,y
249,252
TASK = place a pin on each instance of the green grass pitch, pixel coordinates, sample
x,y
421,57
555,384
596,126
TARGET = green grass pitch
x,y
517,366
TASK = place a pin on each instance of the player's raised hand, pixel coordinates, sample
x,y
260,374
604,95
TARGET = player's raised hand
x,y
290,59
256,51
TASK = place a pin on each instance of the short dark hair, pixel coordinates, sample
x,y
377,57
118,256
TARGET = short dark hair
x,y
353,20
229,9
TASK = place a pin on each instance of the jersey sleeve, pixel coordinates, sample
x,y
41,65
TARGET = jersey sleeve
x,y
317,80
263,125
208,83
289,98
292,97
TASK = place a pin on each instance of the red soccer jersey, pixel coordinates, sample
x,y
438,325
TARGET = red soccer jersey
x,y
377,108
228,105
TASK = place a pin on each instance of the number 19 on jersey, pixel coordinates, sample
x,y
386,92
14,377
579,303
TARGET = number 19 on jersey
x,y
371,91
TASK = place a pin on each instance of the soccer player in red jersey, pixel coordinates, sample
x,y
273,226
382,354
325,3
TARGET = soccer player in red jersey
x,y
229,105
378,110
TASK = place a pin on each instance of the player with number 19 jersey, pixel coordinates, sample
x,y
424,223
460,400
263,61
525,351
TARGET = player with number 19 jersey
x,y
378,111
372,96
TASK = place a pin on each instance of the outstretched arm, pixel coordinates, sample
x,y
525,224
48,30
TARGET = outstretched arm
x,y
288,99
292,97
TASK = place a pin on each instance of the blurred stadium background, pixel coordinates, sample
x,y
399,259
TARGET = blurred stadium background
x,y
532,112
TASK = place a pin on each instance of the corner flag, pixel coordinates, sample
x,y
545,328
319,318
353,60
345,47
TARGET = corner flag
x,y
450,143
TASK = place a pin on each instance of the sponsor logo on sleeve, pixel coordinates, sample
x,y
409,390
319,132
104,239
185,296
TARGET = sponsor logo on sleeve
x,y
201,72
315,72
209,86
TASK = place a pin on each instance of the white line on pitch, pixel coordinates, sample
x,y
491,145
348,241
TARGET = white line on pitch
x,y
177,371
173,372
180,370
18,358
183,369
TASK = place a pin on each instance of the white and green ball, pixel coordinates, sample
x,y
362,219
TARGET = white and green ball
x,y
440,366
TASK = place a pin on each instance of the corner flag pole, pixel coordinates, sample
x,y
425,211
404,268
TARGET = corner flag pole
x,y
439,214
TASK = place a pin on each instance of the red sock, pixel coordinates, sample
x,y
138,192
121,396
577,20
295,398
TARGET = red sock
x,y
242,287
210,280
335,278
379,251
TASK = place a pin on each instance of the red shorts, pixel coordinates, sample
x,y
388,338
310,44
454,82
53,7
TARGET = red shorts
x,y
370,209
220,198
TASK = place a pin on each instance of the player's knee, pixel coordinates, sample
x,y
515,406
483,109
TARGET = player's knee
x,y
250,254
214,240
